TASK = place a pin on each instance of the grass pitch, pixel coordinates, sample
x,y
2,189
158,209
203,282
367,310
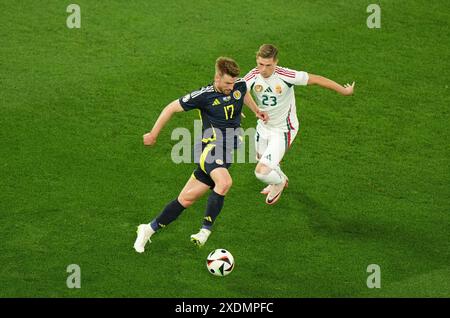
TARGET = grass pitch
x,y
369,174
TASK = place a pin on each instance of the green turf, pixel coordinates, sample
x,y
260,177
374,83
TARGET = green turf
x,y
369,174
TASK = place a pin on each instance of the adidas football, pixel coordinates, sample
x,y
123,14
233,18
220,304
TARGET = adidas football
x,y
220,262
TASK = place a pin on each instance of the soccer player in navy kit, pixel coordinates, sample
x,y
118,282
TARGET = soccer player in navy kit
x,y
220,105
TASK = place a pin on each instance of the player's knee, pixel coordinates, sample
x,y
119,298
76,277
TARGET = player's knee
x,y
223,186
185,200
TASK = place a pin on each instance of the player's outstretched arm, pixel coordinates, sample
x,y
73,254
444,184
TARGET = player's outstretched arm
x,y
248,100
345,90
164,117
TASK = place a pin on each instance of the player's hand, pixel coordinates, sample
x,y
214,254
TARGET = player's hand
x,y
263,116
149,139
348,89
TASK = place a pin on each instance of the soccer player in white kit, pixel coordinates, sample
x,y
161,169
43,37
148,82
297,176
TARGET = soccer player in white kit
x,y
273,89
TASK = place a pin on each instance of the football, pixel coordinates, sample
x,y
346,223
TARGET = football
x,y
220,262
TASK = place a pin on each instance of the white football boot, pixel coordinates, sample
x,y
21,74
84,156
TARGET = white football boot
x,y
201,237
267,189
275,192
144,232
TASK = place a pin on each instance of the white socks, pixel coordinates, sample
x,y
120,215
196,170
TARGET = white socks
x,y
273,177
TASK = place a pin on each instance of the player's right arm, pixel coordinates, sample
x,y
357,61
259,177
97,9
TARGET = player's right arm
x,y
249,79
248,100
164,117
189,102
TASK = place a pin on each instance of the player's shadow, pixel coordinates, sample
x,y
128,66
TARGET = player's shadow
x,y
392,236
321,218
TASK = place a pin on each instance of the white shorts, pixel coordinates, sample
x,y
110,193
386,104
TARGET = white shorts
x,y
272,144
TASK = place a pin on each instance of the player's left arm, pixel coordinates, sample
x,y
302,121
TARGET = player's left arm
x,y
345,90
249,101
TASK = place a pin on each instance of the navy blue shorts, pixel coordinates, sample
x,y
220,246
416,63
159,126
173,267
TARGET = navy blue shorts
x,y
209,160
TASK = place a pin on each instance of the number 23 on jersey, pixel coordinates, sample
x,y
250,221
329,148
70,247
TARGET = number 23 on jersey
x,y
269,100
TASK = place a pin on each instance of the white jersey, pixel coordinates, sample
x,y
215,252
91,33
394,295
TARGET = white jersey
x,y
275,95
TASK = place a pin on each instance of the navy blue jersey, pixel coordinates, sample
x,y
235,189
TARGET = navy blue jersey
x,y
217,111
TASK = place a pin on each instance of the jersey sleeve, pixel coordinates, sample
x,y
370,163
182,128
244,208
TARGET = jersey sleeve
x,y
250,79
241,85
293,77
301,78
192,100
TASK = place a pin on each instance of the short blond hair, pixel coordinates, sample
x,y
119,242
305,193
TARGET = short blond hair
x,y
267,51
226,65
